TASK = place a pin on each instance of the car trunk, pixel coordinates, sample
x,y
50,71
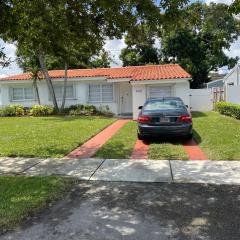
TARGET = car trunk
x,y
166,118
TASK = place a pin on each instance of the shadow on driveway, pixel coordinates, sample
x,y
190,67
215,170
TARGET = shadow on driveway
x,y
104,210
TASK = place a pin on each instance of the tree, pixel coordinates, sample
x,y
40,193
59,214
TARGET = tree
x,y
50,28
199,40
140,48
235,7
5,25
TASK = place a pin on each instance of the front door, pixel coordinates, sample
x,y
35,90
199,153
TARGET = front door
x,y
125,98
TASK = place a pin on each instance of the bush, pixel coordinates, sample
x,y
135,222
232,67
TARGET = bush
x,y
12,111
105,111
228,109
86,110
41,110
89,110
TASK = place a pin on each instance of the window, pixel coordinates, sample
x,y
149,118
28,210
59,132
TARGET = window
x,y
159,92
101,93
58,89
22,94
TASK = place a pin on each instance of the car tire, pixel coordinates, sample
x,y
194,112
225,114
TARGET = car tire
x,y
140,137
190,136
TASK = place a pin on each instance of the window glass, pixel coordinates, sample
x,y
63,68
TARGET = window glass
x,y
163,104
17,94
58,89
94,93
28,93
107,93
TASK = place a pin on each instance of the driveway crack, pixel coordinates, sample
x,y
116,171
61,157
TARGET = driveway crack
x,y
170,166
97,169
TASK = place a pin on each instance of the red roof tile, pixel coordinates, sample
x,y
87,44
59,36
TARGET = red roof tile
x,y
135,73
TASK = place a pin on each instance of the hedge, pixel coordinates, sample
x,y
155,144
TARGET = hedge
x,y
228,109
45,110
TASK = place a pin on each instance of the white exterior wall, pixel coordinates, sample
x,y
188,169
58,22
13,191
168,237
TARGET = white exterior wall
x,y
80,88
233,94
139,94
233,78
182,90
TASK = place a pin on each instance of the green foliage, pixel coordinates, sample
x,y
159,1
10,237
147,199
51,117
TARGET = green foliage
x,y
41,110
12,111
228,109
235,7
140,48
89,110
22,197
198,40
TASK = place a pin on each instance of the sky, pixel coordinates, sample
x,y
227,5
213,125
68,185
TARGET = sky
x,y
113,47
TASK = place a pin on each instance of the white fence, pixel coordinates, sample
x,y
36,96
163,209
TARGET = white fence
x,y
233,94
201,100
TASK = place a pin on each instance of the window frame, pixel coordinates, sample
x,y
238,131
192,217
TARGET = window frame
x,y
62,86
101,92
24,99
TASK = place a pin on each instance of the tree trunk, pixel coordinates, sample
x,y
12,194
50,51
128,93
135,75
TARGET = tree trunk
x,y
48,80
64,87
36,89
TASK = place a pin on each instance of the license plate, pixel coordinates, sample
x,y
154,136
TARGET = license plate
x,y
164,120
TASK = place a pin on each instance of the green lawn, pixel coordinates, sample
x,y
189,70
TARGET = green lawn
x,y
217,135
47,136
167,151
121,144
21,197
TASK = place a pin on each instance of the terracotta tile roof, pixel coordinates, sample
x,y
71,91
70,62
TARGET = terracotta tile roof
x,y
135,73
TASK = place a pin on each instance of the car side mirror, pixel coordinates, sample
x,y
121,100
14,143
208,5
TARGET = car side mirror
x,y
186,106
140,107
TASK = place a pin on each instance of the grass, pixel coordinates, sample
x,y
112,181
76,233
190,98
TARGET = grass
x,y
121,144
21,197
217,135
46,136
167,151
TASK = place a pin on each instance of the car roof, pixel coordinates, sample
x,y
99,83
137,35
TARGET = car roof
x,y
164,98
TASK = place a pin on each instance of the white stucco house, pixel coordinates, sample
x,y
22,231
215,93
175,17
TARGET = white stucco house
x,y
233,77
122,89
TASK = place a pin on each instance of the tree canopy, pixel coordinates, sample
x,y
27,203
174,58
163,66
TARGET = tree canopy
x,y
196,41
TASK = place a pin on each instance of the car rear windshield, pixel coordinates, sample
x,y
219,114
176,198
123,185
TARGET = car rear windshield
x,y
164,104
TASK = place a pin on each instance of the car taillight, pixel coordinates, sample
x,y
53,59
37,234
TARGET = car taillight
x,y
185,119
144,119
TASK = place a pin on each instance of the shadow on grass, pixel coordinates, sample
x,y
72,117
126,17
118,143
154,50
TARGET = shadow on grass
x,y
165,139
198,114
114,150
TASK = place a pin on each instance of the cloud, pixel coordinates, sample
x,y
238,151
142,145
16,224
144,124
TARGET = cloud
x,y
234,50
9,50
219,1
114,48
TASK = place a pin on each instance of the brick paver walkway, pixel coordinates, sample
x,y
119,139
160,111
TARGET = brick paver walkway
x,y
89,148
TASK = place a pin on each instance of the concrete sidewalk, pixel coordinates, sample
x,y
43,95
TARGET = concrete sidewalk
x,y
126,170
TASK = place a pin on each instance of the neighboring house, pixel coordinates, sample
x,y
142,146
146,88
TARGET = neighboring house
x,y
233,77
122,89
216,84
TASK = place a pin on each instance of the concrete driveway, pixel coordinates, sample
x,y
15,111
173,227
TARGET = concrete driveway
x,y
139,211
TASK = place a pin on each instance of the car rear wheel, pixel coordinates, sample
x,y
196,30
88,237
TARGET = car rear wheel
x,y
189,136
140,137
